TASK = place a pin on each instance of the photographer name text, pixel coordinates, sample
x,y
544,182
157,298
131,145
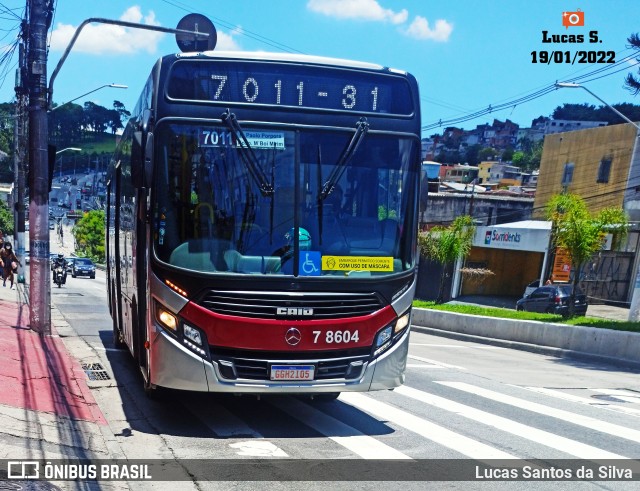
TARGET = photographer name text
x,y
568,56
603,472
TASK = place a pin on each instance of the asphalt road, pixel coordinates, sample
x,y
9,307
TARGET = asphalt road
x,y
461,401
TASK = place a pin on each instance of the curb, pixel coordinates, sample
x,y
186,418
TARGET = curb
x,y
620,348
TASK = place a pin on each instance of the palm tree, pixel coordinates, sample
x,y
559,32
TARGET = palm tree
x,y
580,233
447,244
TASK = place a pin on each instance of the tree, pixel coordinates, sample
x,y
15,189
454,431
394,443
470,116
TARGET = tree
x,y
487,153
588,112
580,233
6,220
89,235
632,83
448,244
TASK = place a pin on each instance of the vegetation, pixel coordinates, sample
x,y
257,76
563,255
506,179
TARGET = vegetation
x,y
447,244
580,233
530,316
529,157
70,124
631,82
88,233
6,219
588,112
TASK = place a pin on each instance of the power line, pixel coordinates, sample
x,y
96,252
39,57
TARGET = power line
x,y
537,94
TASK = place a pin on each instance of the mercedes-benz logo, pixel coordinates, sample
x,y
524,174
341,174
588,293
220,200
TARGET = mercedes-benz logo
x,y
292,336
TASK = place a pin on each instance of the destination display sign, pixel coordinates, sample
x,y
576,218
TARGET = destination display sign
x,y
290,85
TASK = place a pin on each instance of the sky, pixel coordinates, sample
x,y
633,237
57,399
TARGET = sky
x,y
467,56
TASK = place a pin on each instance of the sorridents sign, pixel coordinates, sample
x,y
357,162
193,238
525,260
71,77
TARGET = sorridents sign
x,y
522,239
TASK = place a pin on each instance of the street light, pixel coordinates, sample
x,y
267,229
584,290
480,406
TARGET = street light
x,y
69,148
634,310
74,149
115,86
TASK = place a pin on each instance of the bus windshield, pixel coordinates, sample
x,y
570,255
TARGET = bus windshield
x,y
325,213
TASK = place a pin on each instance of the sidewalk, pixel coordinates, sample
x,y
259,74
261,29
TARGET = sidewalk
x,y
47,410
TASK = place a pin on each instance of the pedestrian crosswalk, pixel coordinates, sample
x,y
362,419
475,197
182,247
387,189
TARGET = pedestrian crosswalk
x,y
441,419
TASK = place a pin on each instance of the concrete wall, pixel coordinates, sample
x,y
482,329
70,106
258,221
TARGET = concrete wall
x,y
488,210
615,346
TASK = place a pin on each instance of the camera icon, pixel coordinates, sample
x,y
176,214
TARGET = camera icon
x,y
573,18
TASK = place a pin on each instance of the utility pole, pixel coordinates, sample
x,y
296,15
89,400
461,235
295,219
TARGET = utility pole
x,y
40,277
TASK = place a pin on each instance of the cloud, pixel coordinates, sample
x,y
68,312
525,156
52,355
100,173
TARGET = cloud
x,y
419,29
369,10
227,42
108,38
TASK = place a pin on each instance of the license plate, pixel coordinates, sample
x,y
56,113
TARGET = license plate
x,y
292,372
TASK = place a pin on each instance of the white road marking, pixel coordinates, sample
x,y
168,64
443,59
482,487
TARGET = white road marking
x,y
434,362
362,445
583,400
621,394
566,445
578,419
258,448
455,346
431,431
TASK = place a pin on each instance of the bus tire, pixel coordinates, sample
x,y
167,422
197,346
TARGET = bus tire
x,y
118,339
118,336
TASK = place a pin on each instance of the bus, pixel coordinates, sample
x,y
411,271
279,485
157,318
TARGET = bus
x,y
261,225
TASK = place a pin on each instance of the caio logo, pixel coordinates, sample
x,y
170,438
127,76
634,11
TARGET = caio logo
x,y
573,18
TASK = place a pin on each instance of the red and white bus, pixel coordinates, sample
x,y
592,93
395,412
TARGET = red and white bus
x,y
262,224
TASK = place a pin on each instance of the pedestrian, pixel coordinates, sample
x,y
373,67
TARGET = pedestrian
x,y
10,264
549,282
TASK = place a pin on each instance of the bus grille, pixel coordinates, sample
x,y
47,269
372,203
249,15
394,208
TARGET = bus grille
x,y
265,305
254,365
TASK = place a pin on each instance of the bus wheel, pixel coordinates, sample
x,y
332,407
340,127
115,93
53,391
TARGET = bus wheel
x,y
326,396
118,340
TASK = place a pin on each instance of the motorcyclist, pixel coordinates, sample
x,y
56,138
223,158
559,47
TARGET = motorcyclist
x,y
62,262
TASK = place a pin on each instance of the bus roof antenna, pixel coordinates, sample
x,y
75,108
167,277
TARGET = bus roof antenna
x,y
193,43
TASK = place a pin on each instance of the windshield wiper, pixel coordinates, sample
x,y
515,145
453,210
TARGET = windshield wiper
x,y
362,126
246,153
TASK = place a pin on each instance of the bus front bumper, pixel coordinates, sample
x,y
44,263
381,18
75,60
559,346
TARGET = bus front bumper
x,y
182,369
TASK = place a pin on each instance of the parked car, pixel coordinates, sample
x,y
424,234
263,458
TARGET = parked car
x,y
530,287
553,299
83,267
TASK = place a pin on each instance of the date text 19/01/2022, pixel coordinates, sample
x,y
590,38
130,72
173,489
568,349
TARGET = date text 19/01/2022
x,y
572,57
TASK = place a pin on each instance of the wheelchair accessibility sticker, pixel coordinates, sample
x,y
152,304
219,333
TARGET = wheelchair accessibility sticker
x,y
310,263
357,263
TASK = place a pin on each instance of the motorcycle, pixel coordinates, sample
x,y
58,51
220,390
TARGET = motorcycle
x,y
59,276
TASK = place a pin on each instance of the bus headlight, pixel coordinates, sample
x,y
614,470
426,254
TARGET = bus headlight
x,y
383,340
390,334
192,339
192,334
403,321
167,319
383,336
